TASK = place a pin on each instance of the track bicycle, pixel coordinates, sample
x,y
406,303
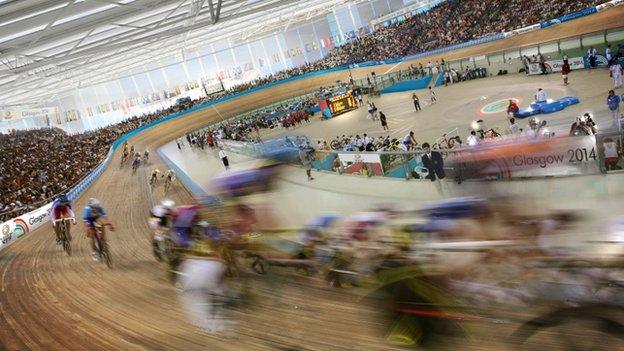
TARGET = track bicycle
x,y
101,245
63,233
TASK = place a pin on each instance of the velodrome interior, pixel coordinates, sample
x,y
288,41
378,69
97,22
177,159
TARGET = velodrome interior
x,y
52,302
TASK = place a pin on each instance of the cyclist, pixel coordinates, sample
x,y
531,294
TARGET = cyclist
x,y
160,220
409,141
91,214
170,176
61,208
154,177
136,163
163,214
146,155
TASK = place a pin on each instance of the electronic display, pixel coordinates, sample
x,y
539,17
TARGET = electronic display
x,y
342,103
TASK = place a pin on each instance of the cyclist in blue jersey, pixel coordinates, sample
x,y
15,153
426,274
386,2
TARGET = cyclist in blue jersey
x,y
94,213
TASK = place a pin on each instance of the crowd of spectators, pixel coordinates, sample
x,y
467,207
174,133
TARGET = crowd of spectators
x,y
451,22
35,165
32,171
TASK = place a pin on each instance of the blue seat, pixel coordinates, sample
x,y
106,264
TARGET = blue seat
x,y
525,113
552,107
538,105
569,101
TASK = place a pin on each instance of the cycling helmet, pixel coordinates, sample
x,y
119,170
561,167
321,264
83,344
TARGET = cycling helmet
x,y
168,204
203,224
62,198
94,203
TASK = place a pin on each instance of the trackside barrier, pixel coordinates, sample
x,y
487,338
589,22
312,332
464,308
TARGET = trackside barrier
x,y
195,189
503,159
19,226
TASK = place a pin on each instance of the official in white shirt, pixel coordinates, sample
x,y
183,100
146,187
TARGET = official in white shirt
x,y
540,96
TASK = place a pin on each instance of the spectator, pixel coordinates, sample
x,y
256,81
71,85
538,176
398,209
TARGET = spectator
x,y
542,63
565,71
416,102
472,139
611,155
224,158
382,119
540,95
432,95
432,160
512,108
306,161
513,127
613,102
592,55
616,73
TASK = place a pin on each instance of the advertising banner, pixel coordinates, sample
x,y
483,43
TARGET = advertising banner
x,y
18,227
361,163
555,65
568,17
544,157
578,155
610,4
522,30
52,114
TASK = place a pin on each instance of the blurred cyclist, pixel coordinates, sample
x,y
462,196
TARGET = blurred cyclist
x,y
93,213
61,208
169,178
201,281
163,214
146,155
170,175
154,176
137,162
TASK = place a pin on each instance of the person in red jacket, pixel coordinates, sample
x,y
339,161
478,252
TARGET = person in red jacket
x,y
565,70
512,108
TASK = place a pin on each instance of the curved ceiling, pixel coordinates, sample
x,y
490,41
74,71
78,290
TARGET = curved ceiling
x,y
51,46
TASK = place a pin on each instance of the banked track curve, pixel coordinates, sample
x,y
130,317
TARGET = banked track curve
x,y
49,301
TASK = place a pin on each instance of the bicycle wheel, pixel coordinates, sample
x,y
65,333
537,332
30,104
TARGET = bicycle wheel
x,y
260,265
65,240
103,251
157,250
589,327
106,255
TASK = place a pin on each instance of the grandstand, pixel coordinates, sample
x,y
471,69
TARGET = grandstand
x,y
81,78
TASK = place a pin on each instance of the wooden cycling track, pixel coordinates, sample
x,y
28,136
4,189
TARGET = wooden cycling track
x,y
49,301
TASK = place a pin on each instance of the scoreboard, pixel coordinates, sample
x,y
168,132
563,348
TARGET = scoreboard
x,y
341,103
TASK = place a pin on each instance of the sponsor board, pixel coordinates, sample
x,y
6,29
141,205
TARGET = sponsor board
x,y
610,4
568,17
20,226
579,156
555,65
51,113
357,163
601,61
563,156
522,30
